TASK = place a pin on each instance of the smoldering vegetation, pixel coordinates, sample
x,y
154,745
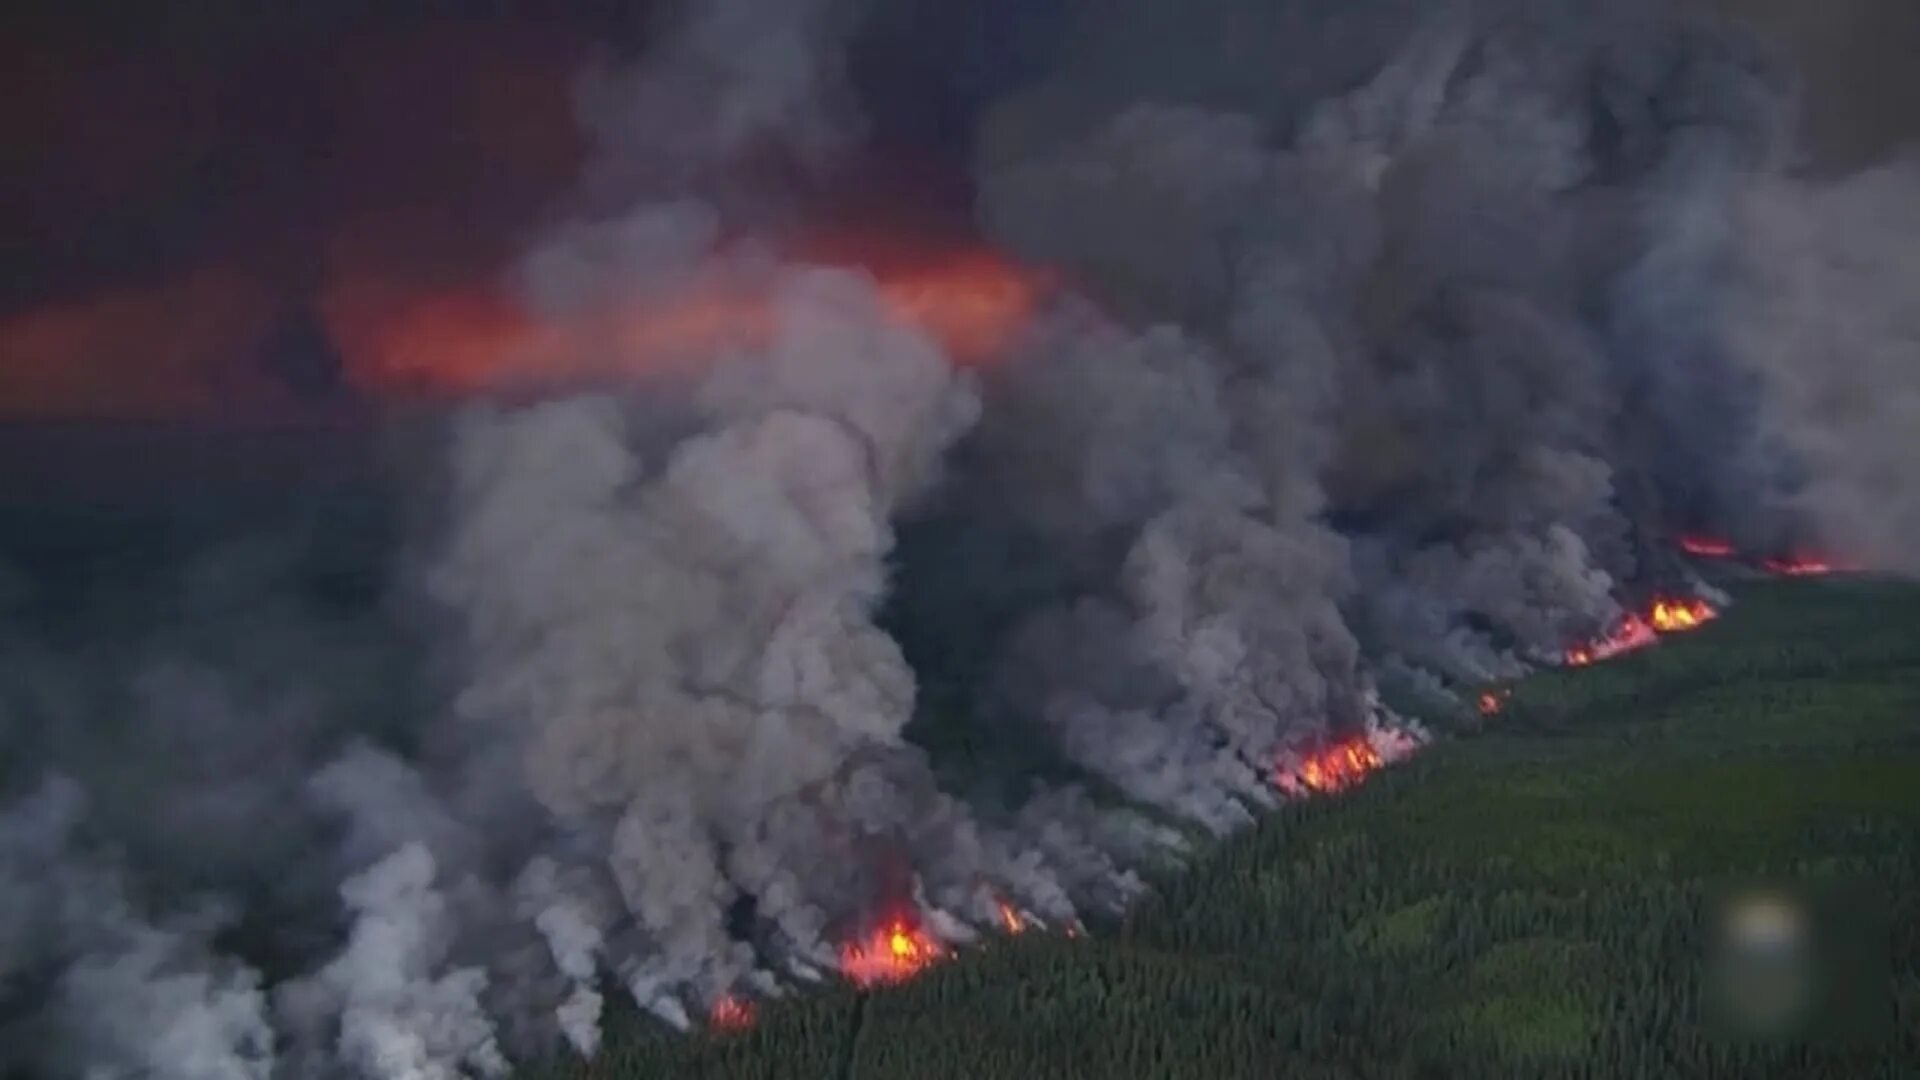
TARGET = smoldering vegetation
x,y
1397,341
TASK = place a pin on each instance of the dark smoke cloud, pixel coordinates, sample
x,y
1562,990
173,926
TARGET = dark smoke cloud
x,y
1400,338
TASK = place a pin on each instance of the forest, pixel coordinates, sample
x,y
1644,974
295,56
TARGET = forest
x,y
1527,898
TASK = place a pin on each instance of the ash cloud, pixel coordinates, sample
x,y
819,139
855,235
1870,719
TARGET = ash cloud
x,y
1399,339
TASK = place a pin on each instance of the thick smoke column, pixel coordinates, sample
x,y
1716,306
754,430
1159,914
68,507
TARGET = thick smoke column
x,y
1208,629
1465,310
1398,339
688,646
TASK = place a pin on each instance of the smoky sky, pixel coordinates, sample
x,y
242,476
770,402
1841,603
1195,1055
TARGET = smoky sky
x,y
494,499
196,180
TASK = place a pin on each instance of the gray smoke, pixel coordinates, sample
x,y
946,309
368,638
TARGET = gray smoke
x,y
121,995
1400,338
1480,307
1827,316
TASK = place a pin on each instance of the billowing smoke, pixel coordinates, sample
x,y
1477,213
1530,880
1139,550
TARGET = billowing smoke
x,y
1826,316
1396,341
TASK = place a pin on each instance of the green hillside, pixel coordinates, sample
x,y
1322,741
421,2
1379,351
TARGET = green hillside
x,y
1525,900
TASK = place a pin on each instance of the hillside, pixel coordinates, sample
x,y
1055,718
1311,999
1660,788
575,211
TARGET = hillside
x,y
1525,900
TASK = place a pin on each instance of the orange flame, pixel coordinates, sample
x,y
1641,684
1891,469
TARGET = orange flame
x,y
730,1013
894,951
1706,547
1490,702
1666,615
1010,918
1674,616
1333,769
1632,632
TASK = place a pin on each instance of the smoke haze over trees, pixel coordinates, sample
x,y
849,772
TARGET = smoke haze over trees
x,y
1172,392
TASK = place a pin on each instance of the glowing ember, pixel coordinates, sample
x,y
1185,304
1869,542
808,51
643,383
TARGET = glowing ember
x,y
1336,768
730,1013
1673,616
1490,702
1632,632
892,952
1706,547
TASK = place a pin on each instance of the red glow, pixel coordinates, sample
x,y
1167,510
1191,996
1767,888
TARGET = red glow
x,y
1706,547
1632,632
1666,615
1490,702
730,1013
896,950
1335,768
972,302
1804,566
140,351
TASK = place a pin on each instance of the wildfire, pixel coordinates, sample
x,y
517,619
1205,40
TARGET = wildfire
x,y
1802,566
1673,616
1333,769
730,1013
1706,547
895,950
1632,632
1795,565
1010,918
1666,615
1490,702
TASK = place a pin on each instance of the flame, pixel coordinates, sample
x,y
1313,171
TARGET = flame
x,y
1673,616
730,1013
1706,547
1666,615
894,951
1333,769
1490,702
1010,918
1630,633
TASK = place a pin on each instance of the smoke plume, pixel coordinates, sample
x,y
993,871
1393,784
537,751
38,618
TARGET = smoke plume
x,y
1389,346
